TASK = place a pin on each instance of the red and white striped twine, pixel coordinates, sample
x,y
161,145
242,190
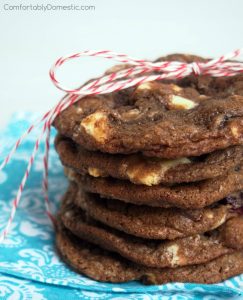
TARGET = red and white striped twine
x,y
107,84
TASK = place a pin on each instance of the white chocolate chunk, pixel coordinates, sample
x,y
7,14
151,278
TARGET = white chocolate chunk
x,y
171,163
95,172
149,179
173,254
235,131
178,102
209,215
150,173
220,222
96,126
204,97
79,110
144,86
176,88
131,114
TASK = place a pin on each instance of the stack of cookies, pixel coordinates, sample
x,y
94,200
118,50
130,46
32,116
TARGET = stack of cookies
x,y
156,173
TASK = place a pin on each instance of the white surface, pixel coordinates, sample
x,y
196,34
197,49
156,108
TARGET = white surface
x,y
32,41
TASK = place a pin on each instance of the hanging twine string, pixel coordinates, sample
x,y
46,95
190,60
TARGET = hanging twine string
x,y
116,81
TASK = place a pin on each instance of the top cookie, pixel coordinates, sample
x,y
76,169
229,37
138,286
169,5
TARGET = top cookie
x,y
163,119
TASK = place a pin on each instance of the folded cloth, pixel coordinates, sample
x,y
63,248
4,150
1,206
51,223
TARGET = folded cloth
x,y
29,264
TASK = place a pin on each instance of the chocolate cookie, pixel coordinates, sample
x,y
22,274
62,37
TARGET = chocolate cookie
x,y
152,223
192,196
148,171
191,250
102,265
184,251
158,119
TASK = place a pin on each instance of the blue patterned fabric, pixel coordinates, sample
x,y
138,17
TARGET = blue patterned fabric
x,y
29,265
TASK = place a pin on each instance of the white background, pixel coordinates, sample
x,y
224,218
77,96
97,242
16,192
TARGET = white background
x,y
31,41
